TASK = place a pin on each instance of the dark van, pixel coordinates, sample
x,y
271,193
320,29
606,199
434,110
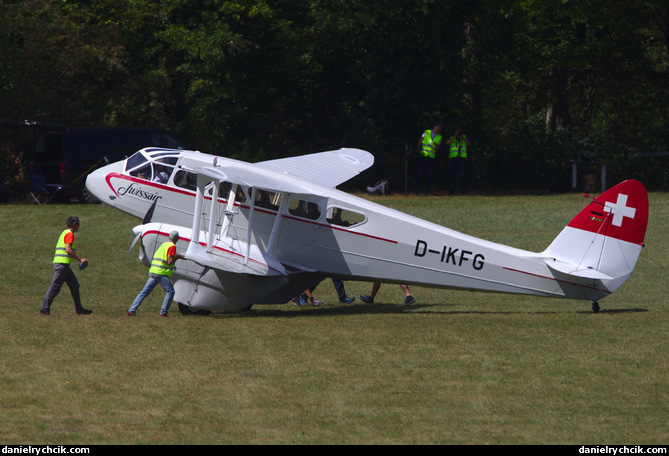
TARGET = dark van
x,y
66,155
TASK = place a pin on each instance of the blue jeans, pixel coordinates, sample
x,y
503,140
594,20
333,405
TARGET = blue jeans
x,y
155,279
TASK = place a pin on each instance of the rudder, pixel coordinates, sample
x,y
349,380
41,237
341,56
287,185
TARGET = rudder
x,y
604,240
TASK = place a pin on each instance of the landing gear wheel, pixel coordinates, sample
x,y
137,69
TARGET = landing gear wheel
x,y
595,306
86,197
188,311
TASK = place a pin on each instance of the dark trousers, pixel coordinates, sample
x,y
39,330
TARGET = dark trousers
x,y
339,288
457,170
62,274
425,170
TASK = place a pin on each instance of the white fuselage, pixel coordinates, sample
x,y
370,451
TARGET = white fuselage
x,y
376,243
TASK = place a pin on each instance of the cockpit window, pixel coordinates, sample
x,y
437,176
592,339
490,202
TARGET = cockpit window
x,y
343,217
162,170
158,169
143,172
135,160
161,158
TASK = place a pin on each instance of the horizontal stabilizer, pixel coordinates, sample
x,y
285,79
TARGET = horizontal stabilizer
x,y
572,270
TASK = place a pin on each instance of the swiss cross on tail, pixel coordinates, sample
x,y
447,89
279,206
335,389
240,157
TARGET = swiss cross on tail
x,y
620,212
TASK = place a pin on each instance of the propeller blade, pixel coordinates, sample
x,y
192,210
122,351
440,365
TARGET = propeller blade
x,y
149,213
134,242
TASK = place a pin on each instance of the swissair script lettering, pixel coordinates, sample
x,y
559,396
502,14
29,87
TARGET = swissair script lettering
x,y
138,192
450,255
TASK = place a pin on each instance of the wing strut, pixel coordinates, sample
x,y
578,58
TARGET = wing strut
x,y
229,210
250,226
277,222
194,248
212,216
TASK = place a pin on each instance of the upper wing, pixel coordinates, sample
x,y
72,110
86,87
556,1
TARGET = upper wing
x,y
329,168
302,174
249,175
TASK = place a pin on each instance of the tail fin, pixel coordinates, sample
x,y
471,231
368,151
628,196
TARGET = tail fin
x,y
604,240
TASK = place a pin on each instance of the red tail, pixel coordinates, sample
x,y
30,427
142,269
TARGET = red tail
x,y
621,212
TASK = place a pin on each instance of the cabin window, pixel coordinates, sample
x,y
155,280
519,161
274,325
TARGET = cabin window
x,y
186,180
268,200
224,192
343,217
304,209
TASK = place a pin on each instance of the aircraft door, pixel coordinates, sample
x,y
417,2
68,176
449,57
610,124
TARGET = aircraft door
x,y
303,219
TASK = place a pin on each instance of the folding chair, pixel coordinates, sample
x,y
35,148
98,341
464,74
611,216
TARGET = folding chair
x,y
380,188
42,192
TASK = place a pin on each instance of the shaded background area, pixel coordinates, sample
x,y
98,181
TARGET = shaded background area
x,y
535,85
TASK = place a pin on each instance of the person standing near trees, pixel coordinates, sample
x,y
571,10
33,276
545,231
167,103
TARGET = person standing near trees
x,y
457,160
428,146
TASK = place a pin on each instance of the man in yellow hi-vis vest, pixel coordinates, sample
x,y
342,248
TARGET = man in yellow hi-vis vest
x,y
428,146
457,160
62,259
160,272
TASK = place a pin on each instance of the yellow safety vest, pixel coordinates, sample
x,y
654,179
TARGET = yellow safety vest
x,y
61,255
159,263
458,148
430,145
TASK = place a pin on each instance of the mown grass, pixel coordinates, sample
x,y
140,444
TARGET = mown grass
x,y
455,368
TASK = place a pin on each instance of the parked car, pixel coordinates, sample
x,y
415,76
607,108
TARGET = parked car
x,y
66,155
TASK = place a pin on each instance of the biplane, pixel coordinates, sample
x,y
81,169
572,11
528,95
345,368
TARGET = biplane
x,y
261,233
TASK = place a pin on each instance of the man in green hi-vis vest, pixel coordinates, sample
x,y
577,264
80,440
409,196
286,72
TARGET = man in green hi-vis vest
x,y
63,273
160,272
428,146
457,160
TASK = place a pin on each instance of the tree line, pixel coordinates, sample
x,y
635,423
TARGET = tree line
x,y
535,84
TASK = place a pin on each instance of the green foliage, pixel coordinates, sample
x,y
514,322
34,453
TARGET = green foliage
x,y
534,83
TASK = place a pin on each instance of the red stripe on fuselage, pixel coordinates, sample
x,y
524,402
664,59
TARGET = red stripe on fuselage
x,y
220,200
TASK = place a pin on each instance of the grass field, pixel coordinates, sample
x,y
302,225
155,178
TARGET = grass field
x,y
455,368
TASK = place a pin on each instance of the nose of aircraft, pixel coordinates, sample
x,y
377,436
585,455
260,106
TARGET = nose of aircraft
x,y
98,184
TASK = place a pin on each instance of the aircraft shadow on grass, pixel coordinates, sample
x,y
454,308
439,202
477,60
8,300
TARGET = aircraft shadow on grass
x,y
391,308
